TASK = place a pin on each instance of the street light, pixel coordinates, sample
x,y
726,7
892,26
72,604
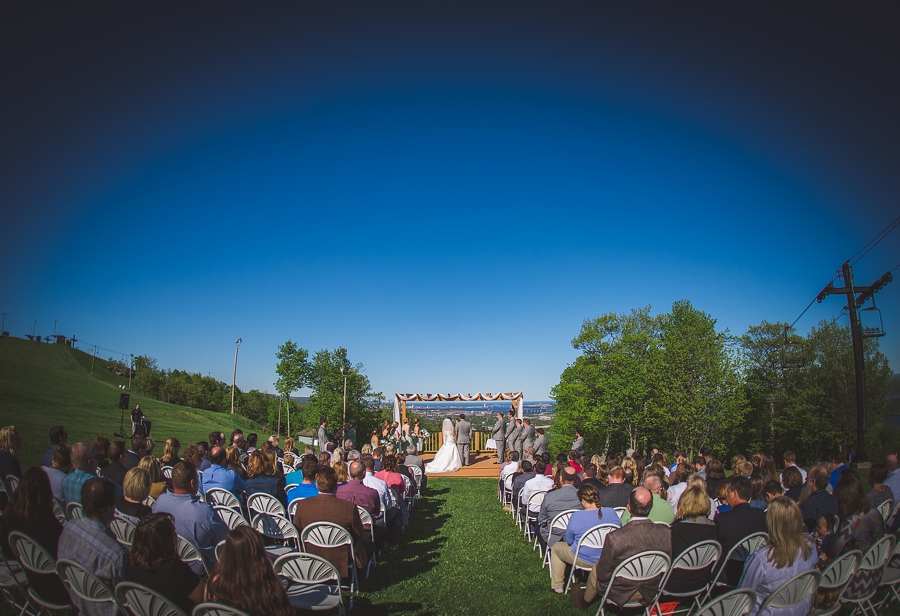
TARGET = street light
x,y
130,370
345,372
237,343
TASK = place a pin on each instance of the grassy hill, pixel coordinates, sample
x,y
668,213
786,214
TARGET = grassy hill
x,y
46,384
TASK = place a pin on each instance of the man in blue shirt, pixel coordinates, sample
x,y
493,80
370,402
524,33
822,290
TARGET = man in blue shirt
x,y
217,476
195,520
837,463
309,468
84,461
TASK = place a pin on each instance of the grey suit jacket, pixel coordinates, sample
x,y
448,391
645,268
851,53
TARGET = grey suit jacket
x,y
510,426
635,537
527,437
512,437
324,437
540,445
555,502
463,432
578,444
498,432
416,461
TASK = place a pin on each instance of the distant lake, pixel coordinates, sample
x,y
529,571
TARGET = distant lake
x,y
529,407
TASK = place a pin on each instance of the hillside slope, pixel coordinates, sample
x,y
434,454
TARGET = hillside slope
x,y
46,384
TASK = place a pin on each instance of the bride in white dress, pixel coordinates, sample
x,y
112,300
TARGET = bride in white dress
x,y
447,459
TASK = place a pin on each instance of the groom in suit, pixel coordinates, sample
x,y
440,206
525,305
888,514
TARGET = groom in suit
x,y
463,438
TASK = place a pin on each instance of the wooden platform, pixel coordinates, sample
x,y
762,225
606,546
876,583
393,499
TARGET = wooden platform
x,y
481,466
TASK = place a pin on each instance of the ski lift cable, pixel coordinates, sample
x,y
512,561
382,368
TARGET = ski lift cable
x,y
877,239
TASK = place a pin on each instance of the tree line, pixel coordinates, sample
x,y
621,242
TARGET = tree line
x,y
296,369
672,381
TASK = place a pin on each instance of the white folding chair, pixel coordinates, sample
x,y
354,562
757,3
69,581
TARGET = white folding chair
x,y
315,584
292,507
560,522
409,493
217,609
74,511
265,503
740,552
836,575
84,584
702,555
33,557
417,475
277,528
59,511
620,511
233,519
594,537
367,520
166,472
530,517
12,483
220,496
189,553
143,601
14,584
330,535
150,501
290,487
793,592
639,568
123,529
733,603
885,509
869,574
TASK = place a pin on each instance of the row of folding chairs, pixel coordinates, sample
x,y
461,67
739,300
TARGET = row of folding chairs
x,y
313,583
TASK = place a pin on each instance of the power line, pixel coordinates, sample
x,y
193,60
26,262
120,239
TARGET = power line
x,y
883,234
812,301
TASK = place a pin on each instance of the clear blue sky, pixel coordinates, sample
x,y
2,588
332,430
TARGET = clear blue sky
x,y
445,189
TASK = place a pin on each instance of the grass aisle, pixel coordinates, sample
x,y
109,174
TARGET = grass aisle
x,y
461,554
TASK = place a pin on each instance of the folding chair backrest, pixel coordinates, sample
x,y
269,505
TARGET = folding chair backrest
x,y
620,511
595,536
326,535
292,507
189,553
74,511
143,601
220,496
874,559
733,603
150,501
233,519
694,558
407,486
840,570
366,518
59,512
417,474
877,554
217,609
31,554
265,503
561,521
275,527
306,568
83,583
749,544
290,487
885,508
167,472
643,566
123,530
793,592
12,482
536,499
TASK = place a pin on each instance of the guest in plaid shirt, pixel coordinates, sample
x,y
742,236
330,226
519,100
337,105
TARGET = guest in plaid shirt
x,y
88,541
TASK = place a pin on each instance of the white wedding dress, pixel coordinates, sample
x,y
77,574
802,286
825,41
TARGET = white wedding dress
x,y
447,459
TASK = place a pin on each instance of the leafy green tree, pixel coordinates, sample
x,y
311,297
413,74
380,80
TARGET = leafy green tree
x,y
293,374
148,378
327,398
699,390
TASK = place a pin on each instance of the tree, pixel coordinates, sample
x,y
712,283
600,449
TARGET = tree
x,y
293,373
698,387
327,398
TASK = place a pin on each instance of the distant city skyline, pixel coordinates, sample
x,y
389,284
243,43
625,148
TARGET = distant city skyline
x,y
446,190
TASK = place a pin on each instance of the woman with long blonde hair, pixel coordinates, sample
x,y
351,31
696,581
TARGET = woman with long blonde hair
x,y
789,552
170,452
158,483
10,442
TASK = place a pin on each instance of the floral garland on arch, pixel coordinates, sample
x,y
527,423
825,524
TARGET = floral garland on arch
x,y
517,398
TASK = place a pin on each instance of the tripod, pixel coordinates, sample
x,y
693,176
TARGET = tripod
x,y
120,433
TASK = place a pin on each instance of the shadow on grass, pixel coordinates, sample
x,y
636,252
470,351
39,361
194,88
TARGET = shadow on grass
x,y
363,606
417,550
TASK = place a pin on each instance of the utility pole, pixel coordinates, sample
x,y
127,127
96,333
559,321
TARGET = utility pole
x,y
237,344
853,303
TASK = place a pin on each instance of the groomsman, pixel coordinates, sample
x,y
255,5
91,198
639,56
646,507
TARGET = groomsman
x,y
578,444
527,435
540,443
498,433
514,440
510,426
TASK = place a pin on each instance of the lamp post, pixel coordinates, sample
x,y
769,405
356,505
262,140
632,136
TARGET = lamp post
x,y
3,327
130,370
237,344
345,372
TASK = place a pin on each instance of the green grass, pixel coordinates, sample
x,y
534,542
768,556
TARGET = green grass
x,y
46,384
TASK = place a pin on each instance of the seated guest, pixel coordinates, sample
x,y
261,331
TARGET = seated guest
x,y
507,470
233,461
538,482
790,461
101,446
84,462
555,502
662,511
158,483
404,470
792,482
617,492
789,552
258,481
245,579
390,476
309,468
527,473
715,476
58,436
115,470
772,490
340,470
195,520
325,459
57,471
137,451
837,465
691,526
590,476
860,525
413,459
573,460
274,467
326,507
767,469
154,562
639,535
737,524
879,491
88,541
757,497
678,483
135,490
563,553
170,452
217,476
295,477
30,511
819,501
392,515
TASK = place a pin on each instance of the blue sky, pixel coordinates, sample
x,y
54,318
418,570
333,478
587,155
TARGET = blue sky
x,y
447,190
